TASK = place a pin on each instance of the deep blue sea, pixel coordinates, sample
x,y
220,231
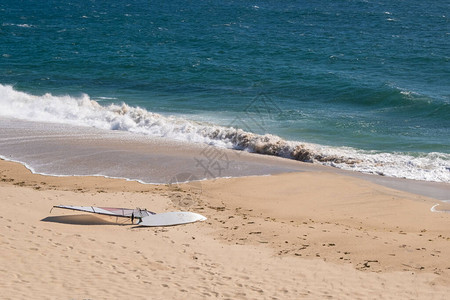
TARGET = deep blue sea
x,y
361,85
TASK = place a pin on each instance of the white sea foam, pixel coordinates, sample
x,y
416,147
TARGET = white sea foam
x,y
18,25
107,98
86,112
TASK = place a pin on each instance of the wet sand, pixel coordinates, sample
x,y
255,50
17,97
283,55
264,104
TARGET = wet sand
x,y
61,149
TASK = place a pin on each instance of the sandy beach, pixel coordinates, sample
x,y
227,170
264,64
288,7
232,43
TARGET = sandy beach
x,y
288,236
285,150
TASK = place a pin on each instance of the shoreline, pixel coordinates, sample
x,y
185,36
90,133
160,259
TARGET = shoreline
x,y
67,150
266,236
437,190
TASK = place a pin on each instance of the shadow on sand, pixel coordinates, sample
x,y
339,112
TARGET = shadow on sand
x,y
85,220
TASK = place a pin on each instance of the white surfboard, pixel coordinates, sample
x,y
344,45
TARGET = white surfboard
x,y
171,218
147,218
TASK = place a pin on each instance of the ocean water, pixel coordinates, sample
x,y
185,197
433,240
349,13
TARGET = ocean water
x,y
359,85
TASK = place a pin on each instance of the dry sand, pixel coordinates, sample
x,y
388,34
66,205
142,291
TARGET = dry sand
x,y
290,236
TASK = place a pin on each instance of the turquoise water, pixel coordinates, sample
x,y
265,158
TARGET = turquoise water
x,y
370,75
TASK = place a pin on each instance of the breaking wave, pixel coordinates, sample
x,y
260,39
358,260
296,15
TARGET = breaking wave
x,y
87,112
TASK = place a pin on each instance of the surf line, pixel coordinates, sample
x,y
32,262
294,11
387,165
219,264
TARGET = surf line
x,y
433,209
